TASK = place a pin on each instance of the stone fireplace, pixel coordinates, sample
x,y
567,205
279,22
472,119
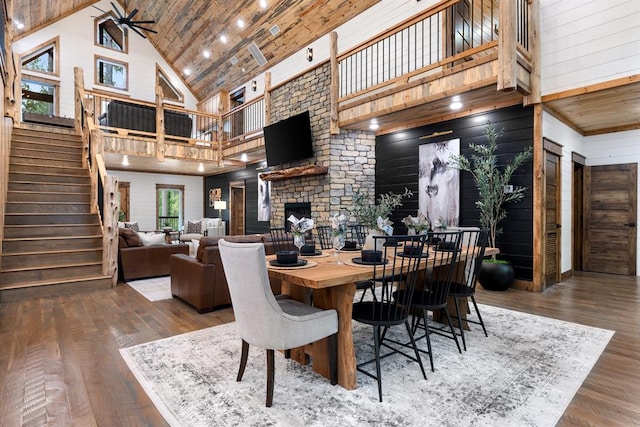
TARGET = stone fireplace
x,y
298,210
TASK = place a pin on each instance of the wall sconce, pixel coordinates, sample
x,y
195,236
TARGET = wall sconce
x,y
309,54
220,205
254,85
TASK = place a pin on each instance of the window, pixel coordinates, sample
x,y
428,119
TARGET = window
x,y
168,89
43,59
110,72
109,34
39,96
170,206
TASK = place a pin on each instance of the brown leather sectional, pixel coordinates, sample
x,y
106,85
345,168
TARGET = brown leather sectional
x,y
138,262
201,281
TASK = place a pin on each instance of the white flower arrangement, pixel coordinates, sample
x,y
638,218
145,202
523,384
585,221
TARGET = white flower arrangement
x,y
419,223
339,224
300,226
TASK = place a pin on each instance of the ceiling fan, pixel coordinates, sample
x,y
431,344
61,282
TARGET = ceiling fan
x,y
121,18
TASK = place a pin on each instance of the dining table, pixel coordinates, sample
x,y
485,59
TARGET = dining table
x,y
332,286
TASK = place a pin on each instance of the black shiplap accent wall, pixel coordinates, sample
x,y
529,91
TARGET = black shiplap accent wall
x,y
397,168
250,177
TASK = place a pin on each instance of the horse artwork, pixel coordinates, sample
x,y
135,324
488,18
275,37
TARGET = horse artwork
x,y
439,183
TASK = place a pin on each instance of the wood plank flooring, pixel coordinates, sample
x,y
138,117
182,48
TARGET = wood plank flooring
x,y
60,365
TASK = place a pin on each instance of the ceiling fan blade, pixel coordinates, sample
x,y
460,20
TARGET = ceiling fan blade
x,y
134,29
100,9
113,5
132,14
143,28
142,22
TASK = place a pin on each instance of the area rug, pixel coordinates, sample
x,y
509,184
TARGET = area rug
x,y
154,289
524,374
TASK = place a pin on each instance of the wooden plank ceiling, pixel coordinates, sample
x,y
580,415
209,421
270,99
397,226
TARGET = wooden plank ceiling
x,y
188,27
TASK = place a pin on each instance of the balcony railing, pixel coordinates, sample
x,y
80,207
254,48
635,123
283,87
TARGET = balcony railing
x,y
243,122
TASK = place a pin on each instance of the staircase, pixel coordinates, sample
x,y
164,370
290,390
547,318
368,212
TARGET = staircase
x,y
52,242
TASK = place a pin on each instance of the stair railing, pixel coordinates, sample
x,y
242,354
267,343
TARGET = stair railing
x,y
104,188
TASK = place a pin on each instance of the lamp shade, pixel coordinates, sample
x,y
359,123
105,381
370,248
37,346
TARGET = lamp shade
x,y
220,205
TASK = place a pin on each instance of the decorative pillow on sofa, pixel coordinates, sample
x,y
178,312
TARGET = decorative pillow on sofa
x,y
153,239
130,237
194,227
132,226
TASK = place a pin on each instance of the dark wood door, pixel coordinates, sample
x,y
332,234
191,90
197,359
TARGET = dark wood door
x,y
237,211
552,218
123,202
610,219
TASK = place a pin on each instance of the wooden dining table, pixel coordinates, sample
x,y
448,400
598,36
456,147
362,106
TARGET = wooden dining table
x,y
333,287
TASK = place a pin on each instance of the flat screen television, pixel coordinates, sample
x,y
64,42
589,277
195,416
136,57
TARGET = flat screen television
x,y
288,140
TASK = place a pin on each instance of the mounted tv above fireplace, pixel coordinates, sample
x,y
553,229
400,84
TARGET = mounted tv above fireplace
x,y
288,140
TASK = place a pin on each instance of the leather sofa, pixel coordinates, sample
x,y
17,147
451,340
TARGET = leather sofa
x,y
201,281
126,115
139,262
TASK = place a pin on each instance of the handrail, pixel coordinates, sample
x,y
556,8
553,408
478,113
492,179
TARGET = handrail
x,y
244,121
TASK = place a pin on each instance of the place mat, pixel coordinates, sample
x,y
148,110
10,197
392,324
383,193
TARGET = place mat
x,y
309,264
319,255
353,264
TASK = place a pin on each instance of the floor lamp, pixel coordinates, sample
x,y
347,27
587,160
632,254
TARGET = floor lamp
x,y
220,205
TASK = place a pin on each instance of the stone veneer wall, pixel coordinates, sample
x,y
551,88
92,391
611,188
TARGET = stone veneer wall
x,y
350,156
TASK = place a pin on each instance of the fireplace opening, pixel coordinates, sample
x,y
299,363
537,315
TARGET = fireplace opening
x,y
298,210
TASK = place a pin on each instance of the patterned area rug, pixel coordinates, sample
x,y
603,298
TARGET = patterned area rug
x,y
154,289
524,374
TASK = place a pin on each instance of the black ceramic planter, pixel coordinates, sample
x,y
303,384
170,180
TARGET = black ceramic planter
x,y
495,276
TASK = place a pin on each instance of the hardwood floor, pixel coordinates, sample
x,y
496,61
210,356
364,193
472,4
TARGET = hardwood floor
x,y
60,365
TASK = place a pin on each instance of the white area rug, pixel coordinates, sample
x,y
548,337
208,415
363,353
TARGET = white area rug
x,y
524,374
154,289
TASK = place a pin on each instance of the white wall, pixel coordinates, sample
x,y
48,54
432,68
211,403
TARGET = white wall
x,y
588,41
142,195
612,148
77,48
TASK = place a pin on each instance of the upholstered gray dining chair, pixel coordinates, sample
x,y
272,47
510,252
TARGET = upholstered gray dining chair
x,y
268,323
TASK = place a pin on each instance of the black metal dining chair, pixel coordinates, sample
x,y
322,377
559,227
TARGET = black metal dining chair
x,y
282,239
391,308
324,236
358,233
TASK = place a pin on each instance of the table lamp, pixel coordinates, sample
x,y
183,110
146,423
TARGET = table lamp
x,y
220,205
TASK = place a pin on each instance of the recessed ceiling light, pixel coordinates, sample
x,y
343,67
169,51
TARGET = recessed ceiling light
x,y
244,157
187,72
19,25
374,124
455,105
206,54
125,160
240,23
200,167
263,4
223,38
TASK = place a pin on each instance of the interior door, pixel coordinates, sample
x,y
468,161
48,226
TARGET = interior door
x,y
123,200
552,213
237,209
610,219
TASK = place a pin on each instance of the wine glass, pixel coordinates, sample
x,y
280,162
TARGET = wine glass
x,y
338,243
298,241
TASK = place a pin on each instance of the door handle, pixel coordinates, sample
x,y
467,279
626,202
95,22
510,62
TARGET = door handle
x,y
630,224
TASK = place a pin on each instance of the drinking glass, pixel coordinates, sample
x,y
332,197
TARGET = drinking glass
x,y
298,240
338,243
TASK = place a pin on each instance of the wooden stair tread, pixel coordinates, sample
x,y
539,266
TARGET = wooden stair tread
x,y
50,266
17,239
68,184
52,282
50,225
52,252
46,192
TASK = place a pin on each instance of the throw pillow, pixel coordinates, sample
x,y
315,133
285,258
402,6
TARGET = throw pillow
x,y
132,226
130,237
194,227
153,239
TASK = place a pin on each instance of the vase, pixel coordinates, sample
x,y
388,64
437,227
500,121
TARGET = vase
x,y
496,276
370,243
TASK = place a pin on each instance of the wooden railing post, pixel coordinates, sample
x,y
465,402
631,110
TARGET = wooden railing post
x,y
267,98
334,87
159,124
534,48
507,52
96,148
110,229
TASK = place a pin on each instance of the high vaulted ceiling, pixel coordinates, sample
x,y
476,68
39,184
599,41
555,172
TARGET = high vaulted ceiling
x,y
187,27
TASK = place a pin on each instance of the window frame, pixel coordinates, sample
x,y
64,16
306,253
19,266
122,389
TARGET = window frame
x,y
96,73
96,31
42,80
160,74
171,187
39,50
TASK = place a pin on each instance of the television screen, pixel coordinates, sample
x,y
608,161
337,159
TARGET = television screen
x,y
288,140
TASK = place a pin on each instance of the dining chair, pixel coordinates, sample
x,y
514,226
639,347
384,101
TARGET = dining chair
x,y
391,307
282,239
433,291
358,232
324,236
463,285
266,322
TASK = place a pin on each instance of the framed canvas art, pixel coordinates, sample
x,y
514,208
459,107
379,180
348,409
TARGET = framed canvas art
x,y
439,183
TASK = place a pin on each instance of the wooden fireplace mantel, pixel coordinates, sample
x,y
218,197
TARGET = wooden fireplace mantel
x,y
296,172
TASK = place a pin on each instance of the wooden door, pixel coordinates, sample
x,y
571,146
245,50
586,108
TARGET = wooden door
x,y
577,207
552,213
610,219
123,199
237,209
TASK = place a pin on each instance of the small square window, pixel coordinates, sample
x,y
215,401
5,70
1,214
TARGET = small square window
x,y
110,72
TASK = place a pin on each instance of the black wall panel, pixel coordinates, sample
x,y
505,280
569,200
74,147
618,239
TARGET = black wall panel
x,y
397,168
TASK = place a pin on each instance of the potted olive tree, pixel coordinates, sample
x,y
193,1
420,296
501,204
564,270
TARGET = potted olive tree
x,y
494,192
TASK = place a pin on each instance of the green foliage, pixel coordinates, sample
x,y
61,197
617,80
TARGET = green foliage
x,y
368,212
491,178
